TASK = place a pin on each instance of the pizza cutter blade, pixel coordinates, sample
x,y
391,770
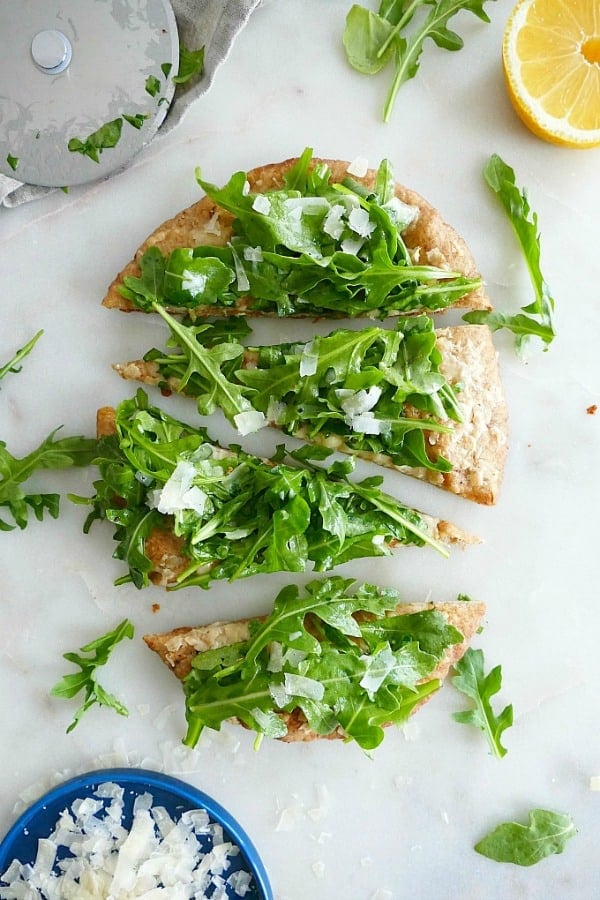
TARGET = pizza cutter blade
x,y
84,85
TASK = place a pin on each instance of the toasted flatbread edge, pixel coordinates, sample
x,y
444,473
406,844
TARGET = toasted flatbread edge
x,y
477,447
178,647
430,240
165,549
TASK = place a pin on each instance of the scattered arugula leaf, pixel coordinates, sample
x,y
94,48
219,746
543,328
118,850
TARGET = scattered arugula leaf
x,y
318,652
311,248
191,63
244,516
51,454
372,40
152,85
136,120
13,161
546,833
359,389
106,137
13,364
166,68
501,178
100,650
472,681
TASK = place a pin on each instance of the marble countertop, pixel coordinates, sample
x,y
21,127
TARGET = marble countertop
x,y
329,820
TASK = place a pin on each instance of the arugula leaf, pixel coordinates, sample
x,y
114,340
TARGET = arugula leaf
x,y
546,833
13,161
136,120
51,454
152,85
13,364
312,653
255,516
310,248
501,179
100,650
474,683
191,63
104,138
359,387
372,40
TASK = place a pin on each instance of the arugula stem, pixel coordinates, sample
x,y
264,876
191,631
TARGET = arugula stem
x,y
11,365
397,28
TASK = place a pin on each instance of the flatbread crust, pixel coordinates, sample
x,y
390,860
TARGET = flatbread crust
x,y
476,447
166,550
430,240
178,648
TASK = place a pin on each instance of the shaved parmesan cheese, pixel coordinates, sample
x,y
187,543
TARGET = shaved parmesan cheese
x,y
356,402
179,492
249,421
253,254
366,423
595,783
318,868
309,360
309,206
352,245
358,167
359,221
246,188
400,213
377,668
333,224
261,204
301,686
280,696
193,282
91,856
276,411
213,226
242,279
275,663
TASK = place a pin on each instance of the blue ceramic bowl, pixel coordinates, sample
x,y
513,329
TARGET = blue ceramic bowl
x,y
176,796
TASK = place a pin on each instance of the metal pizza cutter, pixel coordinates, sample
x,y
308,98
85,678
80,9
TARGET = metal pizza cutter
x,y
84,85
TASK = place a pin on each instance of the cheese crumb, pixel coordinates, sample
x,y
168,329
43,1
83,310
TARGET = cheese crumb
x,y
595,783
193,282
261,204
358,167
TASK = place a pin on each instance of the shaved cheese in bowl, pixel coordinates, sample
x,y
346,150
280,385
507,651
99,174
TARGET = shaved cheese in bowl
x,y
128,833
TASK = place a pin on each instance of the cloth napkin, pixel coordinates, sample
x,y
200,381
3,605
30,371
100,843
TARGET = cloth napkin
x,y
212,24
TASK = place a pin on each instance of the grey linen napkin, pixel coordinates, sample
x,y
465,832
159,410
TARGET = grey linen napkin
x,y
212,24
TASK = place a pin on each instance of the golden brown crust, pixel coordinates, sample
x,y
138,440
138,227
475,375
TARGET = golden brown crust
x,y
476,447
429,238
178,648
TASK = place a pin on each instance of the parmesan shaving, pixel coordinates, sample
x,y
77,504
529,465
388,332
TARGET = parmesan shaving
x,y
359,222
309,360
352,245
261,204
301,686
193,282
179,493
249,421
253,254
358,167
333,224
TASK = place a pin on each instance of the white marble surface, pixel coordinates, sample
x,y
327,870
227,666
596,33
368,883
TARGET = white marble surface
x,y
329,821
